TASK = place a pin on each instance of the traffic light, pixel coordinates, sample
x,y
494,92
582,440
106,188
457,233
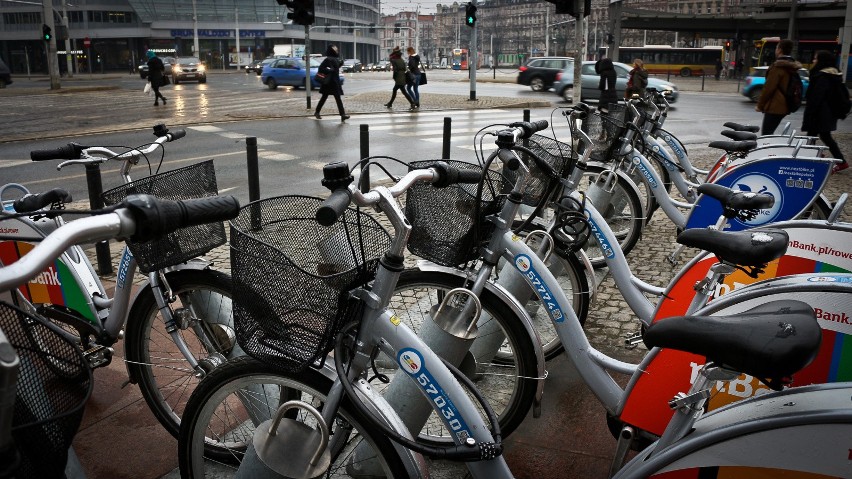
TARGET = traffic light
x,y
303,11
470,15
727,45
45,33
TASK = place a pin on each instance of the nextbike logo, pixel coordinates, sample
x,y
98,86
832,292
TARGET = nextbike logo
x,y
760,183
647,174
830,279
49,277
524,265
411,361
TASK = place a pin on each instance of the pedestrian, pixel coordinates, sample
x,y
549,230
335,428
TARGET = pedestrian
x,y
638,79
718,68
399,78
330,67
608,96
772,102
413,86
826,84
156,72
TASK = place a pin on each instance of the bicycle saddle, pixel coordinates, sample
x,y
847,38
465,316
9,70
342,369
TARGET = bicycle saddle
x,y
770,342
34,202
739,127
735,199
740,135
729,146
742,248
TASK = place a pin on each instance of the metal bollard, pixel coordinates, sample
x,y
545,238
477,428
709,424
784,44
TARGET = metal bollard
x,y
253,171
702,81
447,129
364,180
96,189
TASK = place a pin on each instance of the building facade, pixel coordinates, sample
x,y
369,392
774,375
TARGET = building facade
x,y
113,35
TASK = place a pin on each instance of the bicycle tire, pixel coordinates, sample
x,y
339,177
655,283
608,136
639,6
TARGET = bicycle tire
x,y
623,216
153,359
222,395
510,393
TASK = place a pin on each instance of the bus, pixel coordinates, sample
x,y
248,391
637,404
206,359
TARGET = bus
x,y
764,51
667,59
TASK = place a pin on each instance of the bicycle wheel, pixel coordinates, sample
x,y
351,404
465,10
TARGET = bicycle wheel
x,y
231,401
623,214
506,377
154,360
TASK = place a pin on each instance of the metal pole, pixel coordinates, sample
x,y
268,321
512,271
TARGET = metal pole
x,y
578,56
364,180
237,23
308,66
52,59
195,32
68,66
447,129
96,189
252,168
472,59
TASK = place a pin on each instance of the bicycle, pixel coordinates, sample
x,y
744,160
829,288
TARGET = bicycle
x,y
177,326
45,379
346,388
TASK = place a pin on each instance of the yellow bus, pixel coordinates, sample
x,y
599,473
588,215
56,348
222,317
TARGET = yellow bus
x,y
667,59
764,51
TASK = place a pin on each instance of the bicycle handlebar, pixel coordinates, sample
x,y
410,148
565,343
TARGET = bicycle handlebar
x,y
139,217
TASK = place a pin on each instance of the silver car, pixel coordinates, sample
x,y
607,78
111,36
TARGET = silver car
x,y
564,84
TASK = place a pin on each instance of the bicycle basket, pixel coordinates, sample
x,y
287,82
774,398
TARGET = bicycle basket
x,y
195,181
605,130
557,154
445,229
292,277
54,383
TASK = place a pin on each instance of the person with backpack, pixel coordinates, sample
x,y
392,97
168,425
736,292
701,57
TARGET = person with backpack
x,y
827,102
773,101
607,84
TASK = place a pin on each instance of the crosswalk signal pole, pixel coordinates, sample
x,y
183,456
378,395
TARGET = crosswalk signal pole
x,y
470,20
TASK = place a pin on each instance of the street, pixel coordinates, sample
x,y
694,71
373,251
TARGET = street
x,y
292,145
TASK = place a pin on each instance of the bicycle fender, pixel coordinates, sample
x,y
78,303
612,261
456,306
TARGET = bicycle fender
x,y
520,312
415,464
766,432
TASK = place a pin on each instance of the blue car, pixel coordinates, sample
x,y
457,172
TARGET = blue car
x,y
290,71
755,81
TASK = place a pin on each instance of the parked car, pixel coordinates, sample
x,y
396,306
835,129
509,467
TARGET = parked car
x,y
540,73
564,83
168,62
5,74
290,71
189,68
351,65
755,81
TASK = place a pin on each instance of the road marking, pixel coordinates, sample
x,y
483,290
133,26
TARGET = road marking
x,y
206,128
275,156
7,164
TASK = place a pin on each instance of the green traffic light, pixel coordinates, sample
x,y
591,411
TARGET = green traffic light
x,y
470,20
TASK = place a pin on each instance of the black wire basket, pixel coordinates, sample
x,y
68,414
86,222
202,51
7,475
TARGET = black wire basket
x,y
445,226
605,130
194,181
292,277
54,382
555,153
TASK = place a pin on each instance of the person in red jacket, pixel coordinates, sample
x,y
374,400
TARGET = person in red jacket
x,y
772,102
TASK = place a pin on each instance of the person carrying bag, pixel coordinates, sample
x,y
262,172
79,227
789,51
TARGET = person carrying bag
x,y
330,84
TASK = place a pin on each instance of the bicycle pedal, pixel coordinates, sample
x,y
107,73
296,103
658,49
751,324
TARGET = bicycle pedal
x,y
98,356
632,340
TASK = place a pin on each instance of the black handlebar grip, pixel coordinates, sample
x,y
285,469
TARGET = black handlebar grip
x,y
157,217
333,207
177,134
71,151
469,176
450,175
539,125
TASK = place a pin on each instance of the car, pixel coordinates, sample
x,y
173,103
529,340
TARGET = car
x,y
168,62
755,80
383,66
539,73
255,66
5,74
189,68
564,84
290,71
351,65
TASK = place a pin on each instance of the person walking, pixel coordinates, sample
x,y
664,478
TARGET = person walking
x,y
608,96
638,79
718,68
156,72
413,86
826,84
399,78
772,102
330,67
